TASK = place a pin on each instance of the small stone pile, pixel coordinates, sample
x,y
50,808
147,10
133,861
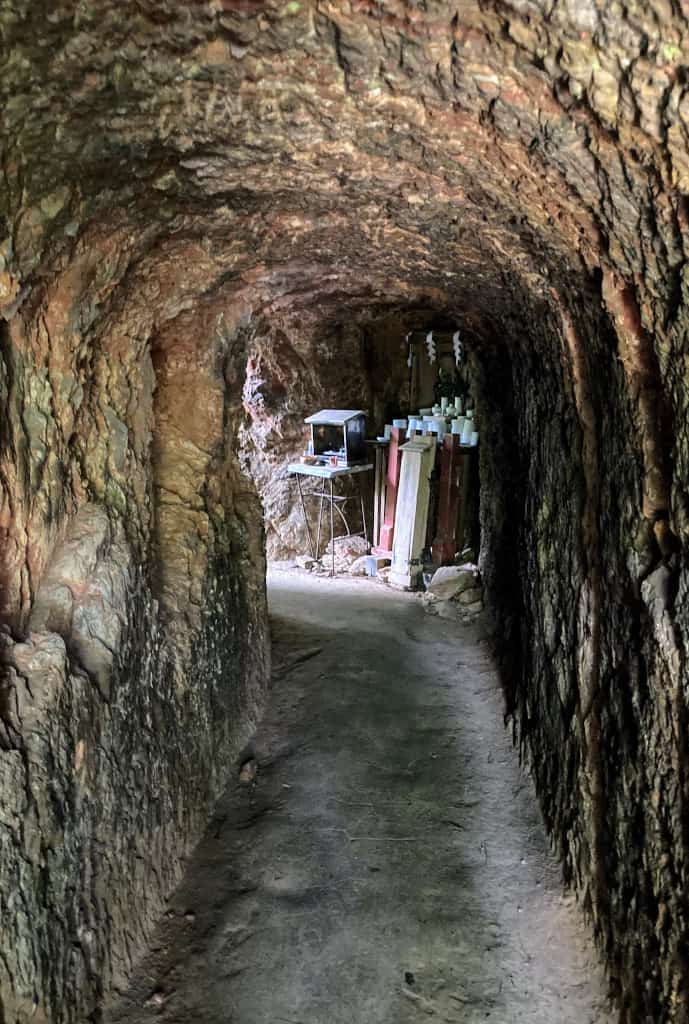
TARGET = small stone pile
x,y
455,592
349,550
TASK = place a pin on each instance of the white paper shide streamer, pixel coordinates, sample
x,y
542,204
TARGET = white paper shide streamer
x,y
457,347
430,347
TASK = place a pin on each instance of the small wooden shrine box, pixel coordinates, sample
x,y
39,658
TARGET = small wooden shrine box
x,y
339,432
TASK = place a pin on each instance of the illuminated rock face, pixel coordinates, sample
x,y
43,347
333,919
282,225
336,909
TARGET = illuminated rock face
x,y
205,207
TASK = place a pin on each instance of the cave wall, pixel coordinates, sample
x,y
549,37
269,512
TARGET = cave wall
x,y
587,594
134,649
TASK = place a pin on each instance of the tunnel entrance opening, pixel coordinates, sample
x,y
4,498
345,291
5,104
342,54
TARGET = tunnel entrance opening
x,y
407,367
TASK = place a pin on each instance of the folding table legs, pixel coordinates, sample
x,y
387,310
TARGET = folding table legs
x,y
363,509
324,496
314,554
332,524
320,517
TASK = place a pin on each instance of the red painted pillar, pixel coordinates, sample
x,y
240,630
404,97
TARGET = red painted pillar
x,y
449,495
392,480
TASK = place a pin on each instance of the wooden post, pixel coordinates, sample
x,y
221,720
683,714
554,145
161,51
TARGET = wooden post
x,y
411,517
378,492
466,456
392,478
446,538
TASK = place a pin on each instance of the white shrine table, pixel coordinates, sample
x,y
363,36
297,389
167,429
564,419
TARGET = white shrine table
x,y
328,474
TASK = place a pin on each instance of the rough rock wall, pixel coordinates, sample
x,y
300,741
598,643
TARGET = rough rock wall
x,y
586,592
520,165
135,652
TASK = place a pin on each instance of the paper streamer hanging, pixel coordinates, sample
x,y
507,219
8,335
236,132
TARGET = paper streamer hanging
x,y
457,347
430,346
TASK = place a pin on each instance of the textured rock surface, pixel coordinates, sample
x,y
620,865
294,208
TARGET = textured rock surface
x,y
132,591
450,581
196,197
455,592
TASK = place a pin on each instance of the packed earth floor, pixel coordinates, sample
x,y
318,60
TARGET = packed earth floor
x,y
387,864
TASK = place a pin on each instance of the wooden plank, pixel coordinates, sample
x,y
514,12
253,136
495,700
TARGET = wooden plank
x,y
444,545
392,476
411,516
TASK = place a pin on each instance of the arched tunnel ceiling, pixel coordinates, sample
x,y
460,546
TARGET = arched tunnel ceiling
x,y
317,156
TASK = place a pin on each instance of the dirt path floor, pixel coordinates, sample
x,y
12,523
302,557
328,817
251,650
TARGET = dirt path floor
x,y
388,865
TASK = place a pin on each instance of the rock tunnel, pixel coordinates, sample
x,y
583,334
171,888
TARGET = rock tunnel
x,y
212,214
